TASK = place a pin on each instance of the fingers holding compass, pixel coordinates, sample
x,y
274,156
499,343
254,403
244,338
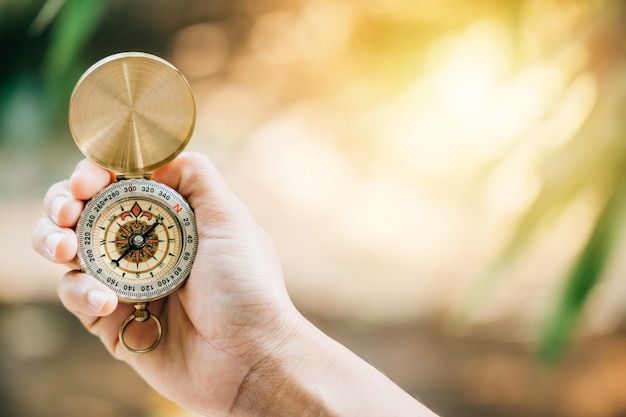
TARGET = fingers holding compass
x,y
61,206
55,243
53,238
83,295
88,178
95,305
98,309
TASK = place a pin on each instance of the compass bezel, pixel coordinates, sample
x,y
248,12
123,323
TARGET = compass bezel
x,y
127,288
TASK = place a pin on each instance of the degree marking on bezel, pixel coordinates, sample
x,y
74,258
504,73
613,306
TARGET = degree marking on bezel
x,y
155,286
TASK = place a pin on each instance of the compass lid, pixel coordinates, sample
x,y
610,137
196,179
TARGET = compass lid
x,y
132,112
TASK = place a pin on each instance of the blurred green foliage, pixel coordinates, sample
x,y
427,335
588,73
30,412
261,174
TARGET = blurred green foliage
x,y
584,275
590,166
41,42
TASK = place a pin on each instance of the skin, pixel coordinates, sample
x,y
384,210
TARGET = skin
x,y
234,344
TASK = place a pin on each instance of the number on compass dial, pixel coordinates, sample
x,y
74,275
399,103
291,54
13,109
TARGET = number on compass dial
x,y
141,245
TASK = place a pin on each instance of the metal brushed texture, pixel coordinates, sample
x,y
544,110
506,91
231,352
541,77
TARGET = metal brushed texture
x,y
132,113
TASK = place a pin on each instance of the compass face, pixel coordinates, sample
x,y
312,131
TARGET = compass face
x,y
139,238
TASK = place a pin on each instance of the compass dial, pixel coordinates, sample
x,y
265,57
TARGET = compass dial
x,y
139,238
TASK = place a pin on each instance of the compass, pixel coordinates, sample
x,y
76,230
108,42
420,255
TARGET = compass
x,y
132,113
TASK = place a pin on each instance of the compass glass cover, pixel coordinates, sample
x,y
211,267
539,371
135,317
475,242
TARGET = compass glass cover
x,y
139,238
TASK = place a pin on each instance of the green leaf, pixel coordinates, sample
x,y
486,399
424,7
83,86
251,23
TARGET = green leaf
x,y
584,275
46,15
75,23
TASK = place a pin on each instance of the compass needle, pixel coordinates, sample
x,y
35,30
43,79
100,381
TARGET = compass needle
x,y
132,113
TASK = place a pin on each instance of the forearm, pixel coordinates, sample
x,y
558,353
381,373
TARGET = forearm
x,y
313,375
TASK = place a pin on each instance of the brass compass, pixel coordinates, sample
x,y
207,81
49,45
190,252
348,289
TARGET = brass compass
x,y
132,113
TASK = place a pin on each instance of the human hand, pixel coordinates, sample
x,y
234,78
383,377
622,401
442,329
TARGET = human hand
x,y
232,311
234,344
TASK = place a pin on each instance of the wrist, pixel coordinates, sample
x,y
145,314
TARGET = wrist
x,y
274,385
310,374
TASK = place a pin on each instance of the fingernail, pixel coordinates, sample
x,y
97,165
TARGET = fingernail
x,y
52,241
96,299
55,208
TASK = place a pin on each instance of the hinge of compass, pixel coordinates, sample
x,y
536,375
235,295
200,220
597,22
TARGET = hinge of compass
x,y
146,176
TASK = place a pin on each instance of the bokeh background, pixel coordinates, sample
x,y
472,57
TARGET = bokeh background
x,y
442,179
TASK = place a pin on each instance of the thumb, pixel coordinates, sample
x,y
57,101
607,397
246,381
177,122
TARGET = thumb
x,y
195,177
